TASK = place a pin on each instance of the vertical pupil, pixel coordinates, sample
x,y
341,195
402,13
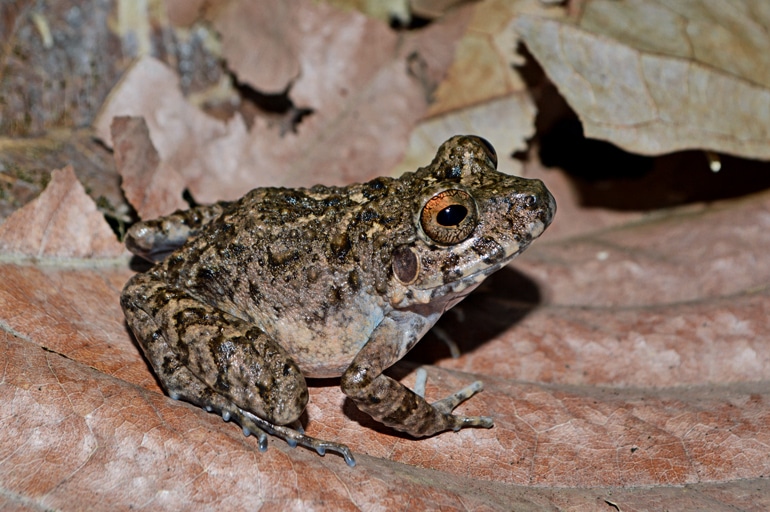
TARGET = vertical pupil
x,y
452,215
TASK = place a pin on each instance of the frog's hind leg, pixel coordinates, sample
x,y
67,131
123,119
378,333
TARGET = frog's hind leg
x,y
155,239
219,362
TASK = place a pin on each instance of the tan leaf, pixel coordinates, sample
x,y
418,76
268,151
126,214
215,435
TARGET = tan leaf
x,y
483,92
379,94
483,69
62,222
152,188
666,78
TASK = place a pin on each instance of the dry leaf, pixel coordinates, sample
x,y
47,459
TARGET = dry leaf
x,y
357,76
202,149
62,222
483,69
654,78
152,188
483,92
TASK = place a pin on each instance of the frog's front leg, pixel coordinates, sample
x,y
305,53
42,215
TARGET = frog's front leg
x,y
219,362
393,404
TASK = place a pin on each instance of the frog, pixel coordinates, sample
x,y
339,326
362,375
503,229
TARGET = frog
x,y
246,299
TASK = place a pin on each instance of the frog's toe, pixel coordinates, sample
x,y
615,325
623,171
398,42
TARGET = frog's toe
x,y
448,404
472,421
294,437
249,427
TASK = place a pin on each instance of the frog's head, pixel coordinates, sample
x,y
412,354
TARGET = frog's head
x,y
470,220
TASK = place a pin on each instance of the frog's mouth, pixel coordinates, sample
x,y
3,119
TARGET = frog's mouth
x,y
458,290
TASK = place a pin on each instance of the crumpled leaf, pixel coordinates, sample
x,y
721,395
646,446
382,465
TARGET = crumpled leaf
x,y
62,222
201,148
374,75
483,91
655,78
153,188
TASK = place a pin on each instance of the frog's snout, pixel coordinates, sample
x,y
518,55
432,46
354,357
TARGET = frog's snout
x,y
536,202
549,211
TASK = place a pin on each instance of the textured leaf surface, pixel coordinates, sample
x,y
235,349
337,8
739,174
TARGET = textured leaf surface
x,y
655,77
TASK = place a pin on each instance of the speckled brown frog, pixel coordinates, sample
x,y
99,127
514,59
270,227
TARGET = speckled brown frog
x,y
249,296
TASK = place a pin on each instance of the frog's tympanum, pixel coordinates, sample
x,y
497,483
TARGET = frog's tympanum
x,y
250,297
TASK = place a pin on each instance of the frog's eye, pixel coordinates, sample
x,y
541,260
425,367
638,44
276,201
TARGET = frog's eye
x,y
449,217
488,149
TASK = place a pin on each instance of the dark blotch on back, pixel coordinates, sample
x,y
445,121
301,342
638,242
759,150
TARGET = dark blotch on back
x,y
367,215
451,173
354,280
278,258
339,244
207,274
375,188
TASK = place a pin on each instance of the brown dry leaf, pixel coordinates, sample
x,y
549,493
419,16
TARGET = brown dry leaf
x,y
353,74
152,188
656,77
62,222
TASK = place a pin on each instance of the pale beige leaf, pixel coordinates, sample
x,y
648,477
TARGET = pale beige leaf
x,y
483,92
204,150
650,102
483,69
727,36
376,86
62,222
152,188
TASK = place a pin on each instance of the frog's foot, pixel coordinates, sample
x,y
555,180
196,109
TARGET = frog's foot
x,y
252,424
448,404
